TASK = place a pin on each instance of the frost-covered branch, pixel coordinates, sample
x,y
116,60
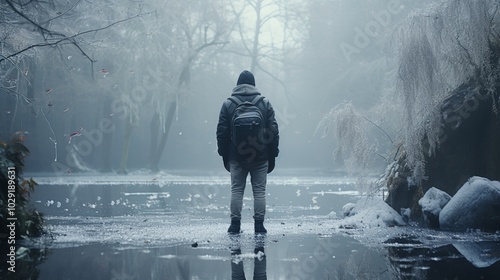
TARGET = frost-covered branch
x,y
70,38
437,49
351,133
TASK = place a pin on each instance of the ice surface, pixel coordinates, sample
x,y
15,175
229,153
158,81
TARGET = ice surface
x,y
474,206
166,179
161,218
160,230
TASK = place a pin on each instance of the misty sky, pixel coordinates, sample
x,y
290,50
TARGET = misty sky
x,y
184,58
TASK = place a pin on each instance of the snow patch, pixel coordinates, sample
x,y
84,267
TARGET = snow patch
x,y
213,258
237,258
167,256
332,215
371,212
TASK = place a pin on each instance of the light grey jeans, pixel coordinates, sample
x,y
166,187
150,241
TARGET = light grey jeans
x,y
258,178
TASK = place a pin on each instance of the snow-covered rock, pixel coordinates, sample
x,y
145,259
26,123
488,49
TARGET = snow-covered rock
x,y
332,215
405,214
432,203
371,212
475,206
347,209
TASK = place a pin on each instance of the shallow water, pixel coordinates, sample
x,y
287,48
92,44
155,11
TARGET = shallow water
x,y
164,226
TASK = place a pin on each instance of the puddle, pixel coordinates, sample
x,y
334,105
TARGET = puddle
x,y
304,257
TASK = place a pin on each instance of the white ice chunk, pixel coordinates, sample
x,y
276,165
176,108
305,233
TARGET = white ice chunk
x,y
260,255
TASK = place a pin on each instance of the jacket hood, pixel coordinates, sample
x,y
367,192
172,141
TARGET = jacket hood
x,y
245,89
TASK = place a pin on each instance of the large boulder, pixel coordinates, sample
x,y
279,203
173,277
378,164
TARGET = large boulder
x,y
475,206
432,203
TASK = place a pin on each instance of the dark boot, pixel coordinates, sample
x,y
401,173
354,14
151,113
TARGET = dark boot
x,y
259,226
235,227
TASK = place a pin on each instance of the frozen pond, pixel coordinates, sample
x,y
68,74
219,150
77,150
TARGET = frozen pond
x,y
163,226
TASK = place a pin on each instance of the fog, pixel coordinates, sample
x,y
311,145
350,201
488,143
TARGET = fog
x,y
381,103
126,77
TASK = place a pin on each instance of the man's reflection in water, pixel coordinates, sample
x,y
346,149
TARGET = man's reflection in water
x,y
260,263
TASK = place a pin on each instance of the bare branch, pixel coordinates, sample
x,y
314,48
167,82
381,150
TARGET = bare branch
x,y
370,121
240,28
16,66
70,39
467,53
62,13
272,15
274,77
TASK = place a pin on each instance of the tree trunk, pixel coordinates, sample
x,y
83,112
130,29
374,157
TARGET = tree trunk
x,y
255,47
107,140
155,158
126,144
154,128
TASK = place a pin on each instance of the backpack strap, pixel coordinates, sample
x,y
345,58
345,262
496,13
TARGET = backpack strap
x,y
235,100
256,100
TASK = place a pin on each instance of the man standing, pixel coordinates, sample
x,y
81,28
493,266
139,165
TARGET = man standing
x,y
247,140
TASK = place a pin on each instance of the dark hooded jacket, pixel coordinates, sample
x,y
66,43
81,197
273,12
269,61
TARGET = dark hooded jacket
x,y
226,148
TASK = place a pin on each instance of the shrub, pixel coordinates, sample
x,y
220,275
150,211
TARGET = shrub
x,y
29,223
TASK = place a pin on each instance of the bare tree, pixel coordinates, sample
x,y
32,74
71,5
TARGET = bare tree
x,y
187,32
269,34
30,31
